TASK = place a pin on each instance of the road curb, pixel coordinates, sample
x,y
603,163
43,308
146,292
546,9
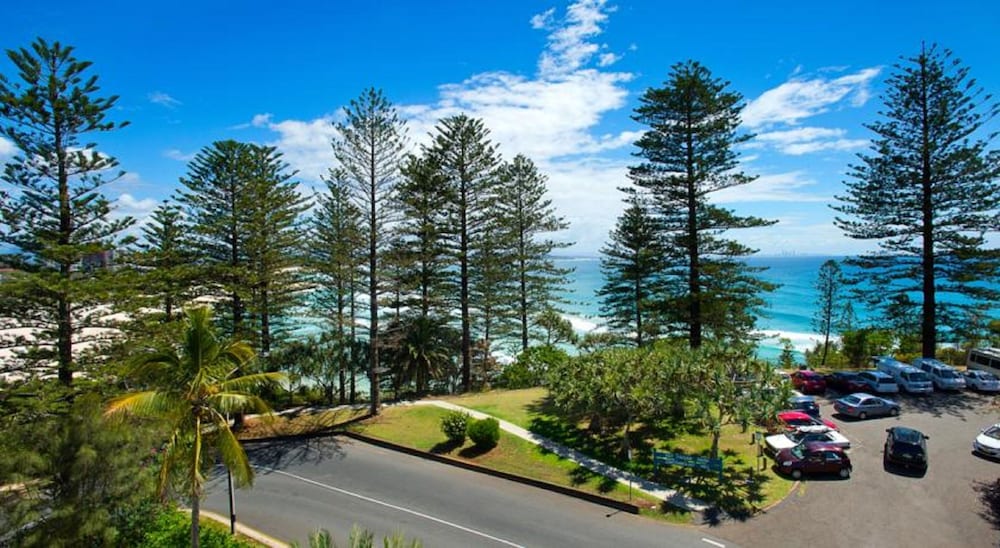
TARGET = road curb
x,y
569,491
244,530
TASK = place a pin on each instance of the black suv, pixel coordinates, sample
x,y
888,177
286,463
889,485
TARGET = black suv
x,y
906,447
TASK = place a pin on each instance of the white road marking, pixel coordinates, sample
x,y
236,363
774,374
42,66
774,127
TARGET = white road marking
x,y
398,508
713,543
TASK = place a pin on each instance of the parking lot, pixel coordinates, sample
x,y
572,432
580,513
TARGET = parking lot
x,y
876,507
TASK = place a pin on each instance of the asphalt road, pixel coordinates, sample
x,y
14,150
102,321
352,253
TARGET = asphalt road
x,y
876,507
335,483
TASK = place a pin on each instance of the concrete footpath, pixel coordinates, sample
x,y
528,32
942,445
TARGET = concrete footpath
x,y
672,496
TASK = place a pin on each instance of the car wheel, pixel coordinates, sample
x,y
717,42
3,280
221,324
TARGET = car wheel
x,y
862,415
845,472
797,474
894,411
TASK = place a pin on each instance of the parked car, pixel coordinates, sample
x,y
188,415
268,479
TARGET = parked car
x,y
862,406
813,458
987,443
879,382
981,380
805,434
944,376
808,382
806,404
793,420
905,447
845,382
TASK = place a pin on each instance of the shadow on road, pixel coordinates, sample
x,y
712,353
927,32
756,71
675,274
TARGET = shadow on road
x,y
276,454
938,404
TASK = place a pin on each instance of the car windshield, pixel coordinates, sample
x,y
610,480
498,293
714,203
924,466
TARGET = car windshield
x,y
798,452
992,432
947,374
908,436
851,400
918,376
987,376
885,380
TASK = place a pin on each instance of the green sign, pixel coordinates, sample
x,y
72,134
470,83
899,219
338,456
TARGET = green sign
x,y
687,461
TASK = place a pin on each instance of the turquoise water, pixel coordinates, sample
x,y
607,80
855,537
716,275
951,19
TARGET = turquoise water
x,y
788,312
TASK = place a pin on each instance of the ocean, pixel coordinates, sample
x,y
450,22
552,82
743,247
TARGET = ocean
x,y
787,314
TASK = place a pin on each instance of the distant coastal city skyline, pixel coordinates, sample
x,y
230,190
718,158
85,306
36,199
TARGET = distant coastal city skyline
x,y
557,82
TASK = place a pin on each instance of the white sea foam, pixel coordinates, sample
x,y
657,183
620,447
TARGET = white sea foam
x,y
584,324
800,341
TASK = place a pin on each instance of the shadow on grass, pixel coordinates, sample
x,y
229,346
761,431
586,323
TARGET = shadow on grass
x,y
446,447
738,494
474,451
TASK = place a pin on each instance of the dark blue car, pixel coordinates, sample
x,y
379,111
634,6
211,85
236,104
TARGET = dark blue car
x,y
806,404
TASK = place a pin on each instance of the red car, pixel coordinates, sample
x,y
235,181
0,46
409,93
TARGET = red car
x,y
808,382
795,419
845,382
813,457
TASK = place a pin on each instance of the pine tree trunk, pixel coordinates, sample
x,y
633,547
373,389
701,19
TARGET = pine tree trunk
x,y
195,525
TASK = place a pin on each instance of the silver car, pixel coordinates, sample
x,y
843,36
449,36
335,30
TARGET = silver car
x,y
862,406
981,380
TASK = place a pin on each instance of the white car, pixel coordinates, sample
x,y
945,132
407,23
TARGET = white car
x,y
988,442
981,380
806,433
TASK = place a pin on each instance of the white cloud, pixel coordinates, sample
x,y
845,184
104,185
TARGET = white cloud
x,y
163,99
792,186
799,98
608,59
306,145
7,149
128,205
569,46
803,235
543,20
549,116
261,120
804,140
175,154
586,194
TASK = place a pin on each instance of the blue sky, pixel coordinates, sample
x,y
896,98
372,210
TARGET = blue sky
x,y
555,81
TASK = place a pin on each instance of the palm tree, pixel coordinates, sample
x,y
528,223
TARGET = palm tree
x,y
422,349
194,393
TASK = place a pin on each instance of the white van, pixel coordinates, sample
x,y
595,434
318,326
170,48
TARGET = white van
x,y
944,376
909,379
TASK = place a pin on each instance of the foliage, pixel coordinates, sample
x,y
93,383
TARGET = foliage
x,y
466,160
484,433
454,425
786,360
633,265
555,328
859,345
193,391
689,152
59,232
77,475
359,538
173,530
523,211
421,348
927,195
829,285
370,149
531,367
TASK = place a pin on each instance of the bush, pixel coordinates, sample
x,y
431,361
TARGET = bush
x,y
454,425
531,366
173,529
484,433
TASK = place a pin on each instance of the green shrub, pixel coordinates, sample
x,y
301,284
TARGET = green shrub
x,y
173,530
454,425
484,433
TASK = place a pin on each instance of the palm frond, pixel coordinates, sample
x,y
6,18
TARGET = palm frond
x,y
254,381
234,457
151,403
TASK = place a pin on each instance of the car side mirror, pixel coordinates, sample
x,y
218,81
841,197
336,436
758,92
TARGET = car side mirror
x,y
926,437
888,429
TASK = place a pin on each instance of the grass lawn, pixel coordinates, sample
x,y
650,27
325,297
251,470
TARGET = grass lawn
x,y
748,483
419,427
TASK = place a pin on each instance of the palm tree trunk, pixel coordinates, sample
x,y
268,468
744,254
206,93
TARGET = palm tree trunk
x,y
195,511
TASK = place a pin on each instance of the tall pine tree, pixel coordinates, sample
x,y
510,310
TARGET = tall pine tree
x,y
633,266
688,153
829,285
370,151
467,161
58,224
532,222
927,194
